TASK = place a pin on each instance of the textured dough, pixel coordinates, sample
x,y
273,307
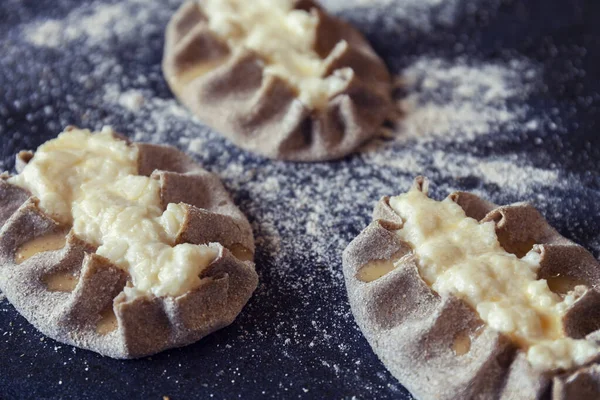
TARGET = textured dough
x,y
415,331
144,324
268,108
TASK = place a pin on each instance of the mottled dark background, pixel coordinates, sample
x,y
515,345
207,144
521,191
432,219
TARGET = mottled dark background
x,y
297,337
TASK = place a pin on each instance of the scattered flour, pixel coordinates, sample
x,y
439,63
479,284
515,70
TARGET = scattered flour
x,y
196,145
46,34
159,114
445,104
405,15
506,172
454,112
132,100
510,173
97,23
406,7
459,100
91,22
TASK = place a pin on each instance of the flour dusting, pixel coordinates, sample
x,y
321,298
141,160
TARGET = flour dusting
x,y
400,16
97,23
461,99
447,103
466,123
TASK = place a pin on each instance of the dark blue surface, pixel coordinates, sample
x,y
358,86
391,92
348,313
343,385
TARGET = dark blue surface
x,y
296,338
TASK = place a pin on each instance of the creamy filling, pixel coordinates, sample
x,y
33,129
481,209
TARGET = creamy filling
x,y
460,256
283,37
91,182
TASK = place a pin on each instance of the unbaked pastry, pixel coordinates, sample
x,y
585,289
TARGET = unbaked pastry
x,y
463,299
278,77
125,249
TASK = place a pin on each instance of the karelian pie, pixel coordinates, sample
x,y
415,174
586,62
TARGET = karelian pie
x,y
125,249
462,299
282,78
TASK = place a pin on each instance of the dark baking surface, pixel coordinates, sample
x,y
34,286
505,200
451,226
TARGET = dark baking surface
x,y
296,338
